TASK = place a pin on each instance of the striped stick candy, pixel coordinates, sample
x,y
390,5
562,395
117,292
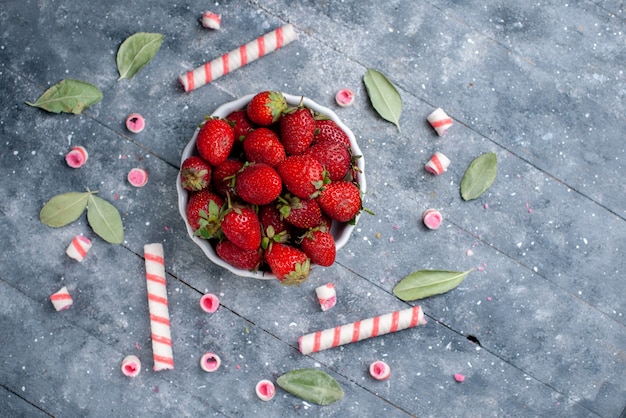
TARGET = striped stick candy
x,y
211,20
238,57
78,248
62,299
437,164
440,121
158,307
360,330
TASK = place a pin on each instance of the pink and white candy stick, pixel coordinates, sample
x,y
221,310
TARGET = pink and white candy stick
x,y
158,307
78,248
61,300
432,218
326,296
360,330
236,58
440,121
438,164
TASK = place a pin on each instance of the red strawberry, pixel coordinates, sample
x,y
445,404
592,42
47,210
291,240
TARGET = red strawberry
x,y
195,173
301,213
266,107
319,245
335,158
302,175
263,146
258,184
327,129
241,226
297,128
289,264
240,123
215,141
341,200
198,204
238,257
269,215
223,177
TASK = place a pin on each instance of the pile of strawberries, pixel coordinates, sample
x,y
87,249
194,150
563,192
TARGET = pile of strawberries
x,y
266,184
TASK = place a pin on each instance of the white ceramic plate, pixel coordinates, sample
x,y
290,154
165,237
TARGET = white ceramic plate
x,y
340,231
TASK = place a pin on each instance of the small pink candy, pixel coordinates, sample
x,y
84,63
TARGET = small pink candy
x,y
380,370
77,157
210,362
209,303
135,123
138,177
211,20
344,97
265,390
61,300
438,164
131,366
326,296
459,377
432,218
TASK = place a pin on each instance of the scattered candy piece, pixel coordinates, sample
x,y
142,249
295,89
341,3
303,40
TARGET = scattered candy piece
x,y
158,307
209,303
210,362
211,20
438,164
459,377
344,97
360,330
440,121
380,370
265,390
131,366
326,296
138,177
78,248
237,58
432,218
62,299
135,123
77,157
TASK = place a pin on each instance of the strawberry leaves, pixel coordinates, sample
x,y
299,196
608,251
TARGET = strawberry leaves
x,y
103,217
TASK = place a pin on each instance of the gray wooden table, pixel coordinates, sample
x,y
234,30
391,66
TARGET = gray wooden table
x,y
537,329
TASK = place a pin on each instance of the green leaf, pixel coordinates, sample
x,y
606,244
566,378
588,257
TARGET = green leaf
x,y
136,52
69,96
424,283
384,96
105,220
63,209
479,176
311,385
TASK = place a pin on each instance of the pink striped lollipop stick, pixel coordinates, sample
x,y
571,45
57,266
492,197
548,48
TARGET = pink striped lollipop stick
x,y
238,57
360,330
158,307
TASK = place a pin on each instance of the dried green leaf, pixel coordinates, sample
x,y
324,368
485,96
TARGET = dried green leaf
x,y
479,176
384,96
312,385
63,209
136,52
105,220
69,96
424,283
